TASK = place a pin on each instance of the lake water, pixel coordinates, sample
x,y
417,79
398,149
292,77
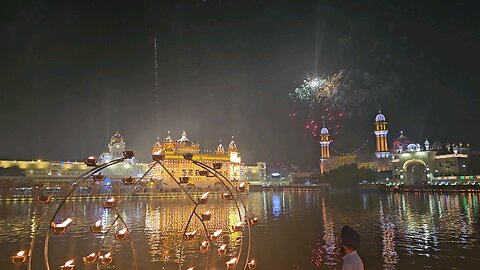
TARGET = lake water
x,y
297,230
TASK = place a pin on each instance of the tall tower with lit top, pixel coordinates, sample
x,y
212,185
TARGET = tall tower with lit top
x,y
233,152
381,130
325,149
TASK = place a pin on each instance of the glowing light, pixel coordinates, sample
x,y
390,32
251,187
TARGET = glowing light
x,y
64,224
190,235
231,263
238,227
204,246
20,258
68,263
252,264
216,234
98,223
222,250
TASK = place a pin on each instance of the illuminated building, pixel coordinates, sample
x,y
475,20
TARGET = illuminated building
x,y
232,166
48,170
50,177
256,174
129,167
325,149
414,163
382,153
40,169
406,162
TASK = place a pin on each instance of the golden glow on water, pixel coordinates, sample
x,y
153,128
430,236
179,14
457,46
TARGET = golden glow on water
x,y
297,229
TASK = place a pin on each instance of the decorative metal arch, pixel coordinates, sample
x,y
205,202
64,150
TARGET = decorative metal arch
x,y
58,203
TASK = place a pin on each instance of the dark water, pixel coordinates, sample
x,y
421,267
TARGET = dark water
x,y
298,230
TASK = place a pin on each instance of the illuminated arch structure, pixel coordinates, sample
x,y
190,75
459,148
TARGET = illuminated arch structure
x,y
211,243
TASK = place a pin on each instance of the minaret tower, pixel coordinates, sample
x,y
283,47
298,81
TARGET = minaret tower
x,y
233,152
220,149
325,149
381,130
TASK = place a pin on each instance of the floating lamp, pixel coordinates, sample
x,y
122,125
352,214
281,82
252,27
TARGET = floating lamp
x,y
238,227
110,203
252,264
90,259
204,247
216,235
19,258
122,234
254,221
98,177
231,263
128,154
222,250
227,196
241,187
206,216
204,198
217,166
106,259
46,199
97,227
128,181
61,227
190,235
68,265
91,161
158,155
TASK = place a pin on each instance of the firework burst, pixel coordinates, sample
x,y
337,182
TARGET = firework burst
x,y
319,95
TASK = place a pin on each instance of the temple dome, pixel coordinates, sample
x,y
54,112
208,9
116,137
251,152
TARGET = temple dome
x,y
116,138
324,131
232,147
220,148
184,140
401,143
168,139
380,117
157,143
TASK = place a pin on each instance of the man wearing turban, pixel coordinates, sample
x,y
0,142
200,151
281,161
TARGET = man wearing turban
x,y
351,242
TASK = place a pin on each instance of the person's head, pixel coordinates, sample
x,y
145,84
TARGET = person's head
x,y
350,239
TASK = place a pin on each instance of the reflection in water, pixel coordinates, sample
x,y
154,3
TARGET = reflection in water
x,y
297,230
329,237
326,254
164,227
390,256
276,205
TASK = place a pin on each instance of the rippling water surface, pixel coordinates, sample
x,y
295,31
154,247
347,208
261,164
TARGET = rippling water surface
x,y
298,230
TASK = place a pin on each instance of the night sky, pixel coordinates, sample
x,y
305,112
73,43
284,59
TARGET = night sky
x,y
73,74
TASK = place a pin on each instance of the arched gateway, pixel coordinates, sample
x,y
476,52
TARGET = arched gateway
x,y
415,171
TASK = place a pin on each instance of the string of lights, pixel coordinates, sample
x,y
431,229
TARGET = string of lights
x,y
356,151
